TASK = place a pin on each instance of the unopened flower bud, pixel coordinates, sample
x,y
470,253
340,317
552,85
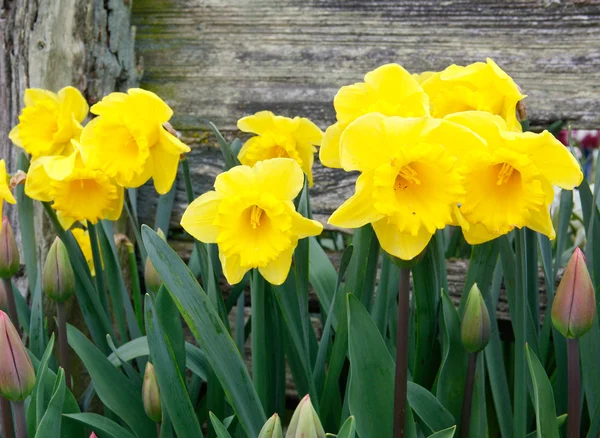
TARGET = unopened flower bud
x,y
93,435
151,277
272,428
475,327
151,394
9,253
17,377
574,306
305,422
58,279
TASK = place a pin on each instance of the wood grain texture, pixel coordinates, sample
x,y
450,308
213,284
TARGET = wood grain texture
x,y
223,59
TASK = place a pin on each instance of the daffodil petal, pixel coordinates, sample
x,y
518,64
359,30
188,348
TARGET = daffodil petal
x,y
58,167
308,132
363,144
259,123
165,168
198,219
358,209
405,246
329,152
236,180
232,269
116,205
35,95
541,222
280,176
37,184
72,104
352,101
486,125
303,227
276,271
457,139
5,193
171,144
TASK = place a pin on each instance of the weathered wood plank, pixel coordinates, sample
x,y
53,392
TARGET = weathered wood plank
x,y
222,59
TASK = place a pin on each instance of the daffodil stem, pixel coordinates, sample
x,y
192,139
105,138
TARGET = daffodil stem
x,y
465,418
63,345
11,304
136,290
519,325
20,421
401,353
97,259
259,348
8,430
573,410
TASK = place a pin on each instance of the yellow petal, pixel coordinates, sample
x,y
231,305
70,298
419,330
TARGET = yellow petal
x,y
551,157
280,176
358,210
541,222
116,207
486,125
198,219
15,136
329,153
259,123
72,104
58,168
165,168
352,101
5,193
171,144
405,246
37,184
363,144
109,104
236,180
232,270
457,139
65,221
303,227
308,132
150,105
278,270
35,95
474,233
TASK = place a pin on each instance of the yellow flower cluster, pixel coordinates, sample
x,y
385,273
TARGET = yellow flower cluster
x,y
83,171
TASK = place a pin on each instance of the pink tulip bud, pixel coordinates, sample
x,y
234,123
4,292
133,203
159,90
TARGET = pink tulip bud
x,y
17,377
574,306
9,252
93,435
151,394
305,422
58,279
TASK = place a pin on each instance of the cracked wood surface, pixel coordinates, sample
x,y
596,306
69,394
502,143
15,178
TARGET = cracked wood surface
x,y
223,59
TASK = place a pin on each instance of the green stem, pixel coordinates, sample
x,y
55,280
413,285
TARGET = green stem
x,y
97,259
136,229
136,289
465,418
63,345
11,304
519,326
8,430
259,347
401,377
574,373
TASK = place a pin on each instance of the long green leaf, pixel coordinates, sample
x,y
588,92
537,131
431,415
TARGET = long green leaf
x,y
170,379
40,393
98,423
220,429
37,331
209,330
323,278
370,398
126,402
545,411
348,429
50,425
428,408
170,320
446,433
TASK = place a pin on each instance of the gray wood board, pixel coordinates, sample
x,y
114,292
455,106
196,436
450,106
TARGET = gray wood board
x,y
223,59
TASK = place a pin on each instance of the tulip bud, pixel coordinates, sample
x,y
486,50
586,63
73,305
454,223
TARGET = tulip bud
x,y
58,279
9,253
151,277
574,306
151,394
305,422
475,327
93,435
17,377
272,428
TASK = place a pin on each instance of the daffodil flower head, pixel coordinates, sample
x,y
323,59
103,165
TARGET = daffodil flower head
x,y
5,192
508,181
389,90
280,137
481,86
78,192
251,217
128,142
50,121
409,182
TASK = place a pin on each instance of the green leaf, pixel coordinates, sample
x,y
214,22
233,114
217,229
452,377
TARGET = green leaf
x,y
209,330
173,392
561,420
27,227
98,423
428,408
543,397
170,320
446,433
37,331
126,402
453,370
220,429
40,393
51,421
323,277
370,398
348,429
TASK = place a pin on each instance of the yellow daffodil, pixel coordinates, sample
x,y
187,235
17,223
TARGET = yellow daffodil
x,y
280,137
50,121
409,182
251,217
5,193
389,90
128,141
481,86
78,193
83,240
508,181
